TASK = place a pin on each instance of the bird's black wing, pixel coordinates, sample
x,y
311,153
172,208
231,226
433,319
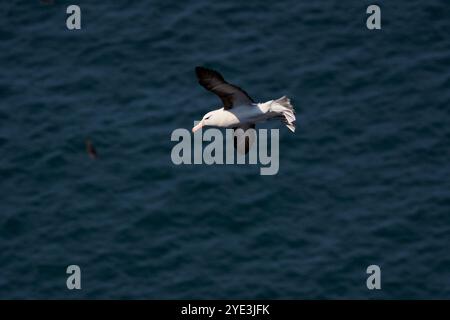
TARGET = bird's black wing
x,y
230,95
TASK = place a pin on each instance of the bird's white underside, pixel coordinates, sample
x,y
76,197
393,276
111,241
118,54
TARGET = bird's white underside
x,y
243,114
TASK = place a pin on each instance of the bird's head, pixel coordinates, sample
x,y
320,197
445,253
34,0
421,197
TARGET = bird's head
x,y
209,119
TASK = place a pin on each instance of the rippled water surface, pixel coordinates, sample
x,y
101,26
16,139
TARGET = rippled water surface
x,y
364,180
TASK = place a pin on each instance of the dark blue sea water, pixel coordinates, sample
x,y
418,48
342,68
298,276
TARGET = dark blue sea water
x,y
364,180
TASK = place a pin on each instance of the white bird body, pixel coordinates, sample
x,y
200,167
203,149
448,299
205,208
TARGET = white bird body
x,y
248,114
239,110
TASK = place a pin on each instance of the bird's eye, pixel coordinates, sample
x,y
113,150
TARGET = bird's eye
x,y
207,117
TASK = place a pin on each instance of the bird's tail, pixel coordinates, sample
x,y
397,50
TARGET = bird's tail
x,y
284,107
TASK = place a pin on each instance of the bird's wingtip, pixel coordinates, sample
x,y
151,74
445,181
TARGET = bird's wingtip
x,y
199,70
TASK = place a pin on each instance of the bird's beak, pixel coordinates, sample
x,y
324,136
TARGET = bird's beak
x,y
198,126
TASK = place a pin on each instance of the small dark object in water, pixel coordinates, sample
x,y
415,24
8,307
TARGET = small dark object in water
x,y
90,149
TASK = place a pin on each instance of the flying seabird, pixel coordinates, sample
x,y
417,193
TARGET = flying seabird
x,y
239,110
91,150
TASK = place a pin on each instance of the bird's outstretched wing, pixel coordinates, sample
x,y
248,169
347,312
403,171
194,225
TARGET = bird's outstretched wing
x,y
230,95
